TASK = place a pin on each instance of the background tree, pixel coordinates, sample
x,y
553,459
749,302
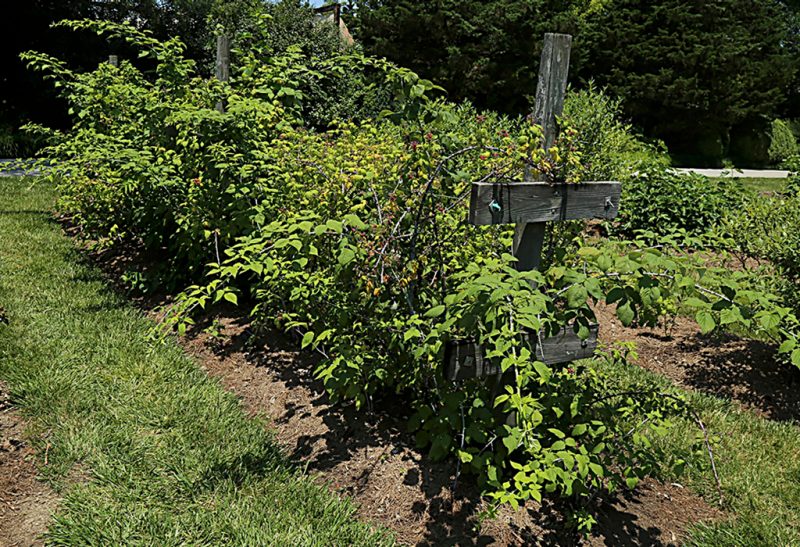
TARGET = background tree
x,y
707,77
25,98
486,51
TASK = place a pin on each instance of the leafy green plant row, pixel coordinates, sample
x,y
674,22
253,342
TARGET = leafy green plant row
x,y
356,240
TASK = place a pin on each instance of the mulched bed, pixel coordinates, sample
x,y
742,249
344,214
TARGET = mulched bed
x,y
370,458
744,371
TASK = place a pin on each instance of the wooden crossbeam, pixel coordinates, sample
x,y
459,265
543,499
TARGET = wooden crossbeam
x,y
531,202
466,359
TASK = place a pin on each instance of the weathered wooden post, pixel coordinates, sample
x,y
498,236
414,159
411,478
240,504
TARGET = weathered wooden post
x,y
113,60
223,65
530,205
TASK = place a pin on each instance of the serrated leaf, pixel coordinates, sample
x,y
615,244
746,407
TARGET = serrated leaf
x,y
435,311
346,256
604,263
576,296
787,345
695,302
543,370
334,225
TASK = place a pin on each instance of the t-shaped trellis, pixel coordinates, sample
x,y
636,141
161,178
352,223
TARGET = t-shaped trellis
x,y
530,205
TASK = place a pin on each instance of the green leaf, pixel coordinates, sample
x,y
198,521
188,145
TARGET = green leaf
x,y
411,333
231,297
605,263
625,314
307,339
706,321
787,345
576,296
770,320
543,370
435,311
346,256
730,315
615,295
334,225
695,302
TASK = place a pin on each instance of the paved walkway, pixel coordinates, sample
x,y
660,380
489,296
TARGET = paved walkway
x,y
737,173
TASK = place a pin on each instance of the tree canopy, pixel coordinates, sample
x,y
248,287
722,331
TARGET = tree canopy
x,y
682,69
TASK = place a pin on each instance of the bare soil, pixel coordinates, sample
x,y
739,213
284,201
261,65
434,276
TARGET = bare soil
x,y
26,503
369,457
744,371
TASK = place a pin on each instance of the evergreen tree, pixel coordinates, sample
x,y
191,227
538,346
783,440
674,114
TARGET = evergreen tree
x,y
688,72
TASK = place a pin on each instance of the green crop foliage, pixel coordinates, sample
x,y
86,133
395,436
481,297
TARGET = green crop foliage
x,y
355,239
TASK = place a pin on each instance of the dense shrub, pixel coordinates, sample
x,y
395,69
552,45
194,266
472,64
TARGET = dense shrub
x,y
654,197
767,228
355,239
783,143
610,150
660,200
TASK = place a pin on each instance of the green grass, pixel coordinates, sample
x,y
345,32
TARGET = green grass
x,y
762,186
166,456
758,462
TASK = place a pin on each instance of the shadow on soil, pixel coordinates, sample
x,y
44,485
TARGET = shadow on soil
x,y
747,371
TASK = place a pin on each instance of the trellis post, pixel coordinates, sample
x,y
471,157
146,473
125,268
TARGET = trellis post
x,y
530,205
113,60
223,65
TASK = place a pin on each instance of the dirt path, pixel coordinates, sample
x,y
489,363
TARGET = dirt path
x,y
26,504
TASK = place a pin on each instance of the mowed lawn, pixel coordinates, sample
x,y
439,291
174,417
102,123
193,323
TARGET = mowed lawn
x,y
144,447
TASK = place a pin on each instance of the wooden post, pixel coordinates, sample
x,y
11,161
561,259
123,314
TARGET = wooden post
x,y
223,65
530,205
113,60
550,90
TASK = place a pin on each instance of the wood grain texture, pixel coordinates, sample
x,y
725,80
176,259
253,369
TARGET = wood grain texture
x,y
222,69
551,86
113,60
223,65
466,359
523,202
